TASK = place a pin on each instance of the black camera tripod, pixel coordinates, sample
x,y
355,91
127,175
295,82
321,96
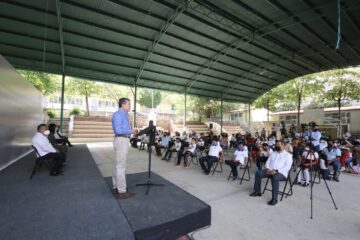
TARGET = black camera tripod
x,y
311,157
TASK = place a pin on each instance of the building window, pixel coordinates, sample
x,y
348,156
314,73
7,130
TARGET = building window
x,y
288,119
333,118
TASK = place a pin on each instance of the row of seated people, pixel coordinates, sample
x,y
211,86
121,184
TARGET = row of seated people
x,y
50,144
276,159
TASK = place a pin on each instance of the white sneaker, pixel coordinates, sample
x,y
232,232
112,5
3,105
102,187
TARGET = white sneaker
x,y
342,169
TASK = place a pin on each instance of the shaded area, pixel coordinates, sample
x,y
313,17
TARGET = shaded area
x,y
77,205
232,50
168,212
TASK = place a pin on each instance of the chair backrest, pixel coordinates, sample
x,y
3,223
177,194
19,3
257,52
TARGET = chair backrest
x,y
36,151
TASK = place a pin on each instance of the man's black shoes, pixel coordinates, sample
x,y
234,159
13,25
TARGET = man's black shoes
x,y
273,202
255,194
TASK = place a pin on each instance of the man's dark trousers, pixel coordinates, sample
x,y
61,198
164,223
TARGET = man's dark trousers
x,y
274,182
209,160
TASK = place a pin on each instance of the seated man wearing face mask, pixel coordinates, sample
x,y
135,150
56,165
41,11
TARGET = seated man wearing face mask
x,y
240,158
213,156
277,167
46,150
333,155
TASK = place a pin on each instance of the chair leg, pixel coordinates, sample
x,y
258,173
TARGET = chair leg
x,y
214,167
34,170
265,185
196,158
245,179
230,174
283,192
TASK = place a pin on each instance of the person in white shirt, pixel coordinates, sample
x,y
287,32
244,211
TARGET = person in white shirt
x,y
213,156
271,142
240,158
315,139
277,167
46,150
61,139
189,150
322,144
174,148
309,160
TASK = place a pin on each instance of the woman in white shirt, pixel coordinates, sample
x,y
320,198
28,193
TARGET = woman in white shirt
x,y
189,150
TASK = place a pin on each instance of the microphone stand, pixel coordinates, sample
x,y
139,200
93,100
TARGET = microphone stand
x,y
150,131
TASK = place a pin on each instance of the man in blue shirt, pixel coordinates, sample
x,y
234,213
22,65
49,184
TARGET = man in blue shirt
x,y
333,155
122,131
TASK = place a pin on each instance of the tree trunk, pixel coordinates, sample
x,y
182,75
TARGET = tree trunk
x,y
87,105
339,112
268,112
298,113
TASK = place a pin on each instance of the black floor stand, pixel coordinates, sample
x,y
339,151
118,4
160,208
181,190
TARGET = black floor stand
x,y
149,183
311,191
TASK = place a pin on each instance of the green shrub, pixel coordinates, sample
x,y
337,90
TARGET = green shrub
x,y
50,113
75,111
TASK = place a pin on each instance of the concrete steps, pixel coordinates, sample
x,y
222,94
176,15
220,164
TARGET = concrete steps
x,y
92,130
232,129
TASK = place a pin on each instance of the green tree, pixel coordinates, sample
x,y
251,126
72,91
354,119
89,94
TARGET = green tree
x,y
114,91
84,88
296,90
268,100
343,86
149,98
44,82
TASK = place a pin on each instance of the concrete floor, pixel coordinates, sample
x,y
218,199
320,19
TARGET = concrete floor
x,y
235,215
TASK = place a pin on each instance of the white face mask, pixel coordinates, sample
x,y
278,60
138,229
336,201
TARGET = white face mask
x,y
47,132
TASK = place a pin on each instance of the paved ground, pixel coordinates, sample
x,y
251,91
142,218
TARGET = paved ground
x,y
235,215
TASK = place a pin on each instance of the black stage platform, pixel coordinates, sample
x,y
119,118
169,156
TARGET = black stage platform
x,y
76,206
167,212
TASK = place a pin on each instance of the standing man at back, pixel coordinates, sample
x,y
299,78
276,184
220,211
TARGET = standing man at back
x,y
122,131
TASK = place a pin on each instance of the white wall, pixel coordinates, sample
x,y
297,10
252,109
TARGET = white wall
x,y
20,113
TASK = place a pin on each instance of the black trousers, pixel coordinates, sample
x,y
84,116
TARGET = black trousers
x,y
275,179
209,160
59,159
233,165
169,153
183,155
64,140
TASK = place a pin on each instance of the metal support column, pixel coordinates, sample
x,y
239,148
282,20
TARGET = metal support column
x,y
62,102
221,113
185,110
249,117
135,100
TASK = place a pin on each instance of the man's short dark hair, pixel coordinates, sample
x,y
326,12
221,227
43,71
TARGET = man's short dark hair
x,y
123,101
52,127
40,126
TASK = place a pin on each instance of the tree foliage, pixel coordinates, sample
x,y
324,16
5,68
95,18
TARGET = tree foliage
x,y
44,82
269,100
115,91
84,88
343,86
149,97
295,91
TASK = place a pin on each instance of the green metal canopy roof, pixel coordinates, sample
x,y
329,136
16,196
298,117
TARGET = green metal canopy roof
x,y
230,49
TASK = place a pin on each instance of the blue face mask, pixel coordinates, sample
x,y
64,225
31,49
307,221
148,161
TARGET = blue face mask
x,y
241,148
214,143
